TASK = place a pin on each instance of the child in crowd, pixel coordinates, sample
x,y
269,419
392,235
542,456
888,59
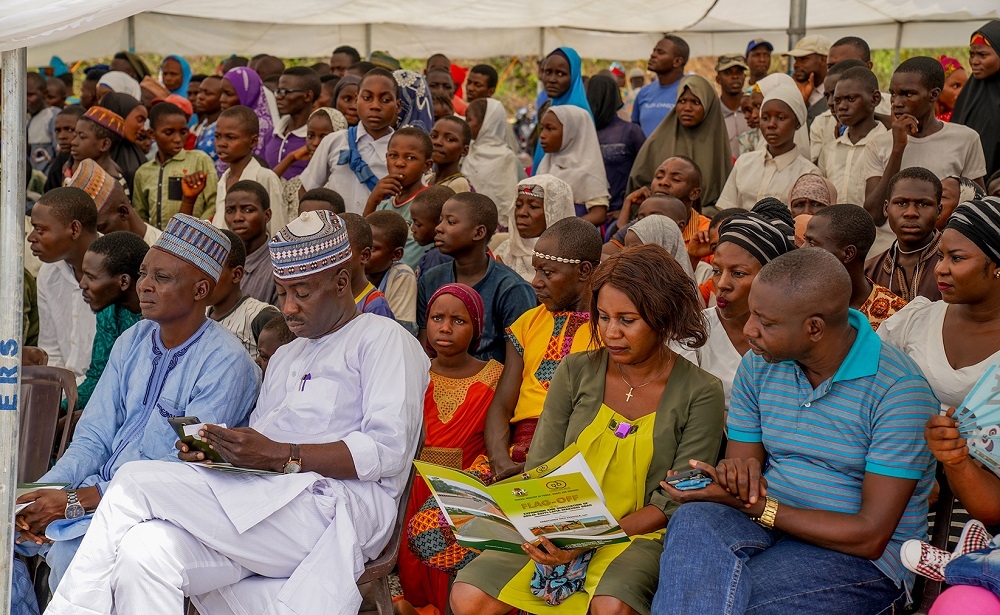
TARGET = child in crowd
x,y
322,122
352,161
772,171
110,271
393,277
246,212
64,224
176,180
408,158
321,198
460,392
243,315
328,85
368,298
679,177
912,210
918,138
451,137
65,129
750,105
426,214
235,139
468,221
114,211
208,107
491,166
97,132
273,336
826,127
573,154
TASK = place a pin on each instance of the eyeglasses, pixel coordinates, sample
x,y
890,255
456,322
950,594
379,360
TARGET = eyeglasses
x,y
725,59
285,91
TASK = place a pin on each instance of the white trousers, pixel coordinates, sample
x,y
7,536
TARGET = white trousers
x,y
161,535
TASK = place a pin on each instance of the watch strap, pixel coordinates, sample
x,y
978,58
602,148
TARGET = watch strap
x,y
295,455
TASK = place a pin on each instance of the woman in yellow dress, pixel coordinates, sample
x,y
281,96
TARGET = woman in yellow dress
x,y
635,410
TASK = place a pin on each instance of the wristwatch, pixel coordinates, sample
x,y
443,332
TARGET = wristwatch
x,y
767,516
74,510
294,463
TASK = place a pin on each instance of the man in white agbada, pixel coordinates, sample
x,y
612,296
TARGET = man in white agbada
x,y
339,414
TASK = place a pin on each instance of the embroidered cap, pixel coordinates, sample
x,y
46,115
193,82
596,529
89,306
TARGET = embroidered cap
x,y
313,242
535,190
95,181
196,242
107,118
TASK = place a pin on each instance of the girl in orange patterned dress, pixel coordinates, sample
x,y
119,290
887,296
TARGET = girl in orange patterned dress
x,y
460,391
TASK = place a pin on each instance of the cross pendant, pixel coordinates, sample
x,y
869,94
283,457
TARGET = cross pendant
x,y
628,396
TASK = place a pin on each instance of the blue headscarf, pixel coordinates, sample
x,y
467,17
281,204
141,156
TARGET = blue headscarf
x,y
416,108
576,95
185,75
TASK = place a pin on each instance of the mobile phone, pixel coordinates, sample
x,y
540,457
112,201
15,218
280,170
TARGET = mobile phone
x,y
174,190
690,480
194,443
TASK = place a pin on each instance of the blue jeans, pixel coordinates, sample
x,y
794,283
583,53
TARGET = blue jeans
x,y
716,560
980,568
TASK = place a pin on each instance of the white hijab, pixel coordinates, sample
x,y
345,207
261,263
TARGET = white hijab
x,y
119,82
780,83
491,167
578,162
664,232
516,251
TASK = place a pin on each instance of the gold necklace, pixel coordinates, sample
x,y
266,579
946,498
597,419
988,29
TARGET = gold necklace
x,y
621,373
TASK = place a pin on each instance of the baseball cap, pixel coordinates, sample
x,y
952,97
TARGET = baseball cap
x,y
758,42
808,45
729,61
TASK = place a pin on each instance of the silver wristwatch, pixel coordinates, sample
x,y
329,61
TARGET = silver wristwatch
x,y
74,510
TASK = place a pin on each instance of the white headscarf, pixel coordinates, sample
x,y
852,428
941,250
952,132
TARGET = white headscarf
x,y
117,81
578,162
784,85
337,118
491,167
664,232
516,251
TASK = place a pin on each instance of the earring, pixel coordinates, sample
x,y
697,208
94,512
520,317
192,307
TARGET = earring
x,y
997,275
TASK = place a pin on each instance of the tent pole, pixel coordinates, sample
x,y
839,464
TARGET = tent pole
x,y
131,34
796,25
368,40
12,162
899,43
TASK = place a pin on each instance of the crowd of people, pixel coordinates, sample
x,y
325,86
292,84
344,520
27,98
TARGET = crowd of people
x,y
340,268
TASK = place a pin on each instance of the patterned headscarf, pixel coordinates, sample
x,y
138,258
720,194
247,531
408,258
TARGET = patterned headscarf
x,y
415,105
557,199
755,234
250,91
949,65
337,118
979,220
472,301
815,188
778,214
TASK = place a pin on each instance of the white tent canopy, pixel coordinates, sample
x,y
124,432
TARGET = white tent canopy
x,y
75,29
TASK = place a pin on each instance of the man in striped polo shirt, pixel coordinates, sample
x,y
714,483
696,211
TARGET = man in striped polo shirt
x,y
826,473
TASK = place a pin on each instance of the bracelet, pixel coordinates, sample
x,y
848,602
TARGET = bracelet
x,y
767,517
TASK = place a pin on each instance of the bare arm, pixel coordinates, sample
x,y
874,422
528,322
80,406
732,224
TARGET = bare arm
x,y
976,488
876,188
499,414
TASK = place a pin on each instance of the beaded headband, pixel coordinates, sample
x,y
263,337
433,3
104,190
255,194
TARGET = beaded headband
x,y
558,259
532,190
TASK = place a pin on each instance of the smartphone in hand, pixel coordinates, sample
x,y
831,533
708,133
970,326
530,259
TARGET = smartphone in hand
x,y
186,428
689,481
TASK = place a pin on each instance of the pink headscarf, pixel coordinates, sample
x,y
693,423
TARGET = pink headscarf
x,y
473,302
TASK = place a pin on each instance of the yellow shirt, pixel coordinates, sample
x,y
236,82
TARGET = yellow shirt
x,y
543,338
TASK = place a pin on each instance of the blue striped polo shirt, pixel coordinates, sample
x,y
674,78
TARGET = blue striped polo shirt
x,y
869,417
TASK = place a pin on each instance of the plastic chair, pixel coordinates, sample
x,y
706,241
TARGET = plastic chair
x,y
377,571
42,389
926,591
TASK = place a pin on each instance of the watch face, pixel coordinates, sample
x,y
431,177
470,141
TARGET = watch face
x,y
292,467
75,511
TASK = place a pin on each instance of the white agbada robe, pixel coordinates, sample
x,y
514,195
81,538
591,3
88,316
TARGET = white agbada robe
x,y
165,530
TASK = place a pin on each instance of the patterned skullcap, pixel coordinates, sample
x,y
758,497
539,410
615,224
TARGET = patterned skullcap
x,y
530,189
979,220
107,118
95,181
473,302
195,242
755,234
313,242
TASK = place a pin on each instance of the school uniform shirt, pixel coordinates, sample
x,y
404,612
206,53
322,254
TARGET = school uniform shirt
x,y
285,142
324,168
653,103
66,324
843,163
431,258
505,297
917,331
258,276
821,441
736,124
953,150
759,174
399,285
275,193
157,191
246,320
821,132
412,251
